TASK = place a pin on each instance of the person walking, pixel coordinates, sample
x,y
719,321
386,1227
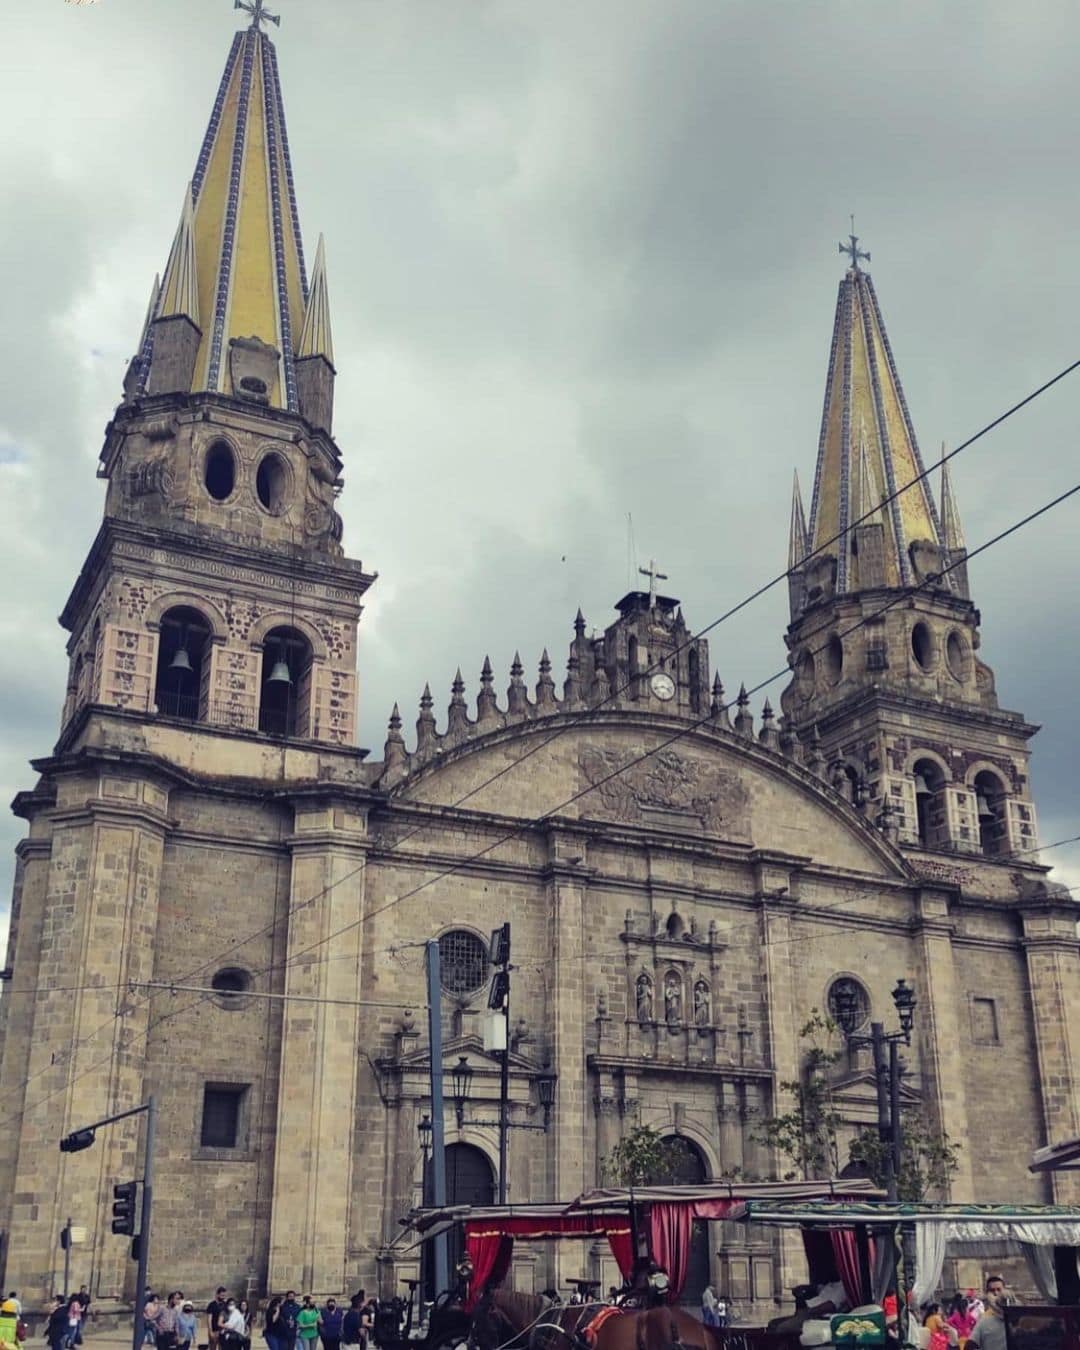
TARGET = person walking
x,y
331,1321
166,1324
151,1317
187,1326
56,1326
307,1324
215,1315
351,1330
273,1325
290,1310
234,1328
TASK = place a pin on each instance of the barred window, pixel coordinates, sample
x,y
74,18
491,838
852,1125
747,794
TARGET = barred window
x,y
846,985
463,962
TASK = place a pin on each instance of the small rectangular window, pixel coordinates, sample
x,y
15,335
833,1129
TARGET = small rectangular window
x,y
221,1115
984,1021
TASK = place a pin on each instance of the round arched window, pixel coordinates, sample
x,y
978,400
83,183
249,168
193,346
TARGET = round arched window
x,y
219,471
463,962
922,646
272,483
846,990
956,656
834,659
230,982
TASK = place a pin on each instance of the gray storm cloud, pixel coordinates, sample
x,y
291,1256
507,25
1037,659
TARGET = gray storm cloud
x,y
582,264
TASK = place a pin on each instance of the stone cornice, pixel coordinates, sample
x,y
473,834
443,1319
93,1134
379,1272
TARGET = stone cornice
x,y
880,699
341,580
636,1065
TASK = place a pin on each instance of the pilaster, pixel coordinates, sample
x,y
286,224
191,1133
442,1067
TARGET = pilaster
x,y
941,1037
87,1052
1053,964
313,1160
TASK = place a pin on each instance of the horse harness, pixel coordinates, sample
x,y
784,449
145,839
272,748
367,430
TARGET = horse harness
x,y
583,1334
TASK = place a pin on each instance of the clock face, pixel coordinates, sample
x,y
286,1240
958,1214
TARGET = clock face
x,y
663,686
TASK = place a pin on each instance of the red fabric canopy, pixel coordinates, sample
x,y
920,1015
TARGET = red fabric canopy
x,y
489,1243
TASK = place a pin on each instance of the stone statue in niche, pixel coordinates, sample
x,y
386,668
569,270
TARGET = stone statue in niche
x,y
702,1018
644,999
673,1000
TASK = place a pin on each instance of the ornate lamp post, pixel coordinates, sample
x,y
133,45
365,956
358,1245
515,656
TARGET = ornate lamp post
x,y
887,1075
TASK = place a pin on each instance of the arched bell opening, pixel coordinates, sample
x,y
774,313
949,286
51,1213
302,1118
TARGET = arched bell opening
x,y
183,654
929,802
285,690
990,804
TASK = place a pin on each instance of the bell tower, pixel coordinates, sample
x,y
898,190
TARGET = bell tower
x,y
210,716
216,591
884,637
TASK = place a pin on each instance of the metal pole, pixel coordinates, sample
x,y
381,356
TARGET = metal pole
x,y
441,1260
894,1109
67,1258
877,1041
144,1222
504,1095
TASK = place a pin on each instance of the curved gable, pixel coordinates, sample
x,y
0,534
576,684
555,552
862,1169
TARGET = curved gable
x,y
640,771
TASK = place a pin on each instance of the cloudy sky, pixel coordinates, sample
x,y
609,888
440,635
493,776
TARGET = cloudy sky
x,y
583,266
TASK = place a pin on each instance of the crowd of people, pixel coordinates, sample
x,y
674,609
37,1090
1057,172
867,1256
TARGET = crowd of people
x,y
969,1319
231,1323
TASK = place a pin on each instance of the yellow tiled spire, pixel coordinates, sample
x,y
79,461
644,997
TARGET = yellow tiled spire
x,y
179,290
316,338
867,446
242,255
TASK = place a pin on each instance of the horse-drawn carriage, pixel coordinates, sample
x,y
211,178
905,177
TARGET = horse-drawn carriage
x,y
648,1232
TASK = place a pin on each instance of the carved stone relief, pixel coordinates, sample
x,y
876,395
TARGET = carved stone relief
x,y
664,788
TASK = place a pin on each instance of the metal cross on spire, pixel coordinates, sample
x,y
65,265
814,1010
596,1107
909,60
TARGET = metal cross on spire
x,y
654,576
851,248
258,11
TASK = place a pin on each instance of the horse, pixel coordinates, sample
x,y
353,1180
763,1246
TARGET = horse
x,y
506,1319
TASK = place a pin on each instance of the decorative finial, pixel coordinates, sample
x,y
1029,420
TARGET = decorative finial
x,y
852,248
517,700
579,624
258,11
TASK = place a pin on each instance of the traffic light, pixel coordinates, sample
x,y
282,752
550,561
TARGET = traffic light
x,y
124,1207
499,950
75,1143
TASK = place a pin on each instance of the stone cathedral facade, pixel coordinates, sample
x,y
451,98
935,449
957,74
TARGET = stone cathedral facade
x,y
685,881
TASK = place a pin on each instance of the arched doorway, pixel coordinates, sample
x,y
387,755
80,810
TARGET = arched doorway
x,y
688,1168
469,1181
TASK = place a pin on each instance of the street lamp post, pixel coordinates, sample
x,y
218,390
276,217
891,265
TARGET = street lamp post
x,y
424,1129
887,1070
461,1076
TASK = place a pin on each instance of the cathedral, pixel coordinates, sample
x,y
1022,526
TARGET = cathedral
x,y
222,901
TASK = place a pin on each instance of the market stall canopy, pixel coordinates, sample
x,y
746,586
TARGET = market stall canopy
x,y
716,1199
1033,1231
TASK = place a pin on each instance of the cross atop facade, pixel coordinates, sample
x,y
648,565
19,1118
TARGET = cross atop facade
x,y
654,576
258,11
851,248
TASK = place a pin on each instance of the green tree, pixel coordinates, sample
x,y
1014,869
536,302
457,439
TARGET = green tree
x,y
806,1134
928,1156
644,1158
